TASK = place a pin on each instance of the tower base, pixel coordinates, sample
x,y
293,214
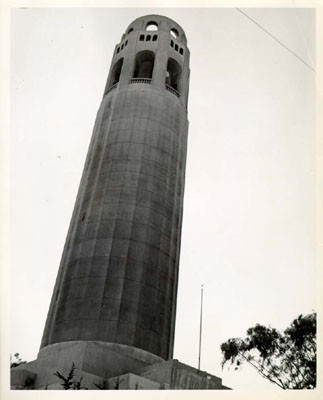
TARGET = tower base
x,y
110,366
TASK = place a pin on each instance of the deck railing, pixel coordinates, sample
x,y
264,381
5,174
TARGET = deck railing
x,y
146,81
140,80
172,90
111,88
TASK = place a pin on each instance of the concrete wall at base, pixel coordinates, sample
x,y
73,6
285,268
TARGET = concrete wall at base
x,y
118,365
99,359
181,376
22,379
135,382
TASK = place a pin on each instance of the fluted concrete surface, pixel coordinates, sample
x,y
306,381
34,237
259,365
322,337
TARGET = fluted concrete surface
x,y
119,271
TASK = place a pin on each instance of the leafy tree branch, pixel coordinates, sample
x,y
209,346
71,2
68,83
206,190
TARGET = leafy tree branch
x,y
286,359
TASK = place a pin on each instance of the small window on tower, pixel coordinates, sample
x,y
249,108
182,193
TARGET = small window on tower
x,y
181,51
130,30
174,33
176,47
142,38
122,47
148,38
118,49
171,43
152,26
126,42
155,38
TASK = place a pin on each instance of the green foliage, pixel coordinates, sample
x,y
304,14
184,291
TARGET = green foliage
x,y
116,387
68,382
286,359
102,386
77,384
16,360
105,385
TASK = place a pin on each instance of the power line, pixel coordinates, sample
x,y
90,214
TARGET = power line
x,y
277,40
303,35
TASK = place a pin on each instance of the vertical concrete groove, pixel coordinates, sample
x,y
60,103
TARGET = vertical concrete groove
x,y
103,206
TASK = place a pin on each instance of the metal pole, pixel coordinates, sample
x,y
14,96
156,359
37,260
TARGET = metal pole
x,y
200,327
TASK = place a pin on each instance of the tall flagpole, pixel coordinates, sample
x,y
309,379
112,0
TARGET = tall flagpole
x,y
200,327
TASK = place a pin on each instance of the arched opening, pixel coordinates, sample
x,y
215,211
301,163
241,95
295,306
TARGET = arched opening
x,y
174,33
152,26
173,74
155,38
144,64
148,38
116,72
130,30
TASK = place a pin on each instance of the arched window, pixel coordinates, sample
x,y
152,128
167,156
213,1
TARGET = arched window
x,y
155,38
171,43
176,47
152,26
130,30
174,74
174,33
144,64
148,38
116,72
181,51
141,37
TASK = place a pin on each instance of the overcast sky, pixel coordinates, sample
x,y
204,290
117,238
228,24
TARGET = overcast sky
x,y
249,205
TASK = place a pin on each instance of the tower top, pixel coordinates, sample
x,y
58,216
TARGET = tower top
x,y
154,22
152,51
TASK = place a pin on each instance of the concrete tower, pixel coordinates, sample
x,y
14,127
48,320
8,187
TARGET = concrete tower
x,y
113,307
117,282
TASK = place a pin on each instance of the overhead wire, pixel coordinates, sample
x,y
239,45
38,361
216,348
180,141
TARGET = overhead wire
x,y
277,40
300,27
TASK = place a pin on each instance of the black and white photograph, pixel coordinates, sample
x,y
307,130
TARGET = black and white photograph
x,y
163,200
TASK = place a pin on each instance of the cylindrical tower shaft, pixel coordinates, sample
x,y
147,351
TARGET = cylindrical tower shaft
x,y
118,275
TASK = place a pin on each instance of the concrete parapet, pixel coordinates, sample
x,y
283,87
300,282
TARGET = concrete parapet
x,y
181,376
22,379
135,382
92,360
113,365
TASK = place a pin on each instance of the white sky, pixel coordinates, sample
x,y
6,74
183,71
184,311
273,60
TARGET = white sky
x,y
249,208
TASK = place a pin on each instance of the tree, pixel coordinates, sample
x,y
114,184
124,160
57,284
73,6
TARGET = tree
x,y
68,382
102,386
286,359
116,386
16,360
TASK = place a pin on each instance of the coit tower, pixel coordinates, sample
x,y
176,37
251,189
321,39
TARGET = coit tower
x,y
117,281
